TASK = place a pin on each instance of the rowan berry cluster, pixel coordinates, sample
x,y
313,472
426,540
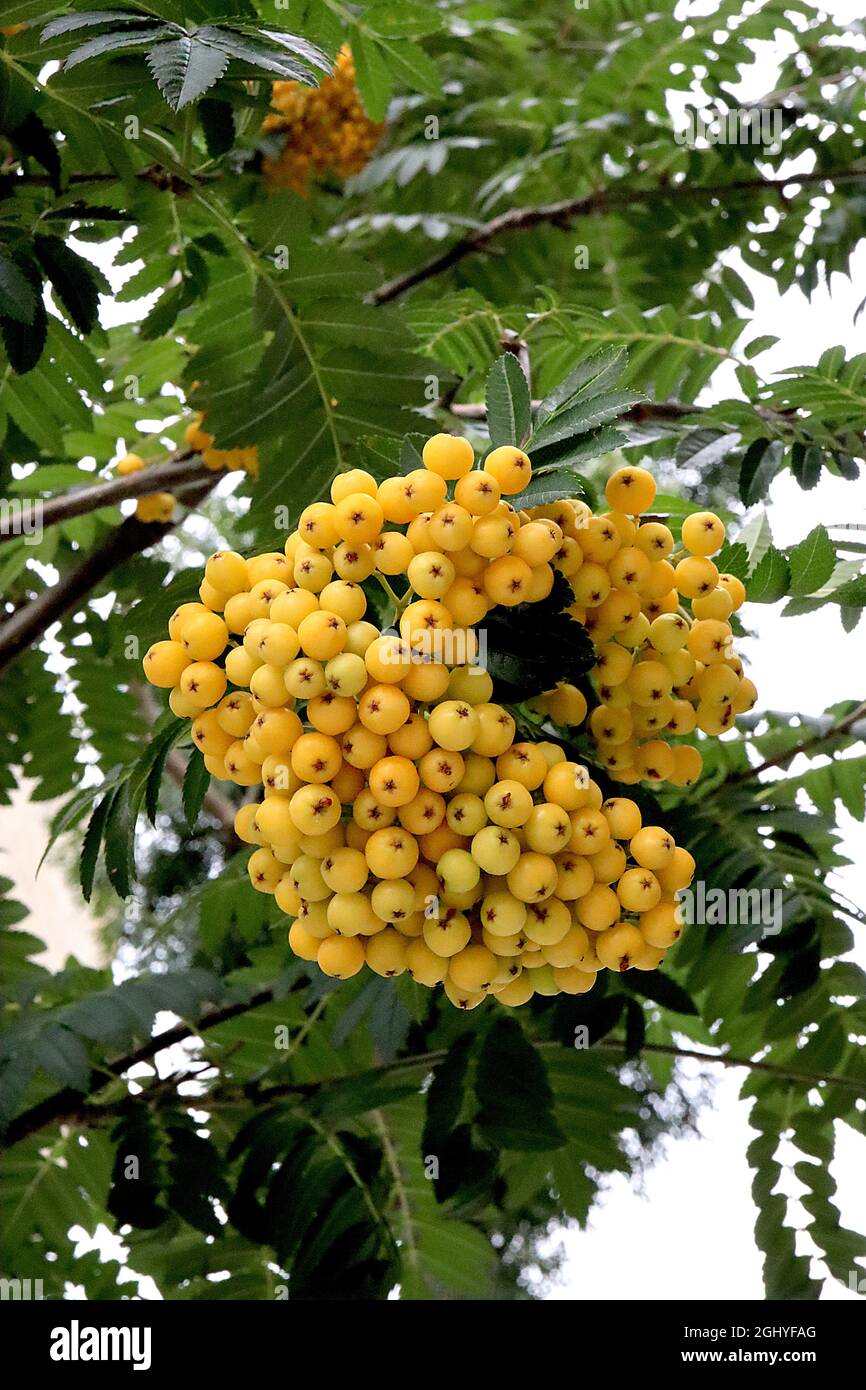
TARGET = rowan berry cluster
x,y
232,460
154,506
658,616
326,129
401,825
159,506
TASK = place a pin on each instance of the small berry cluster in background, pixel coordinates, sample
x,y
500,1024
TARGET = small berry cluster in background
x,y
326,129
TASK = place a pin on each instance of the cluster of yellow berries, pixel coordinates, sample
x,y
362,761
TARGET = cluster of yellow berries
x,y
401,825
232,460
326,129
663,668
154,506
159,506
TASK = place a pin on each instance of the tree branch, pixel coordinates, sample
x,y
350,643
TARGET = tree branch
x,y
132,537
847,724
170,476
69,1106
603,200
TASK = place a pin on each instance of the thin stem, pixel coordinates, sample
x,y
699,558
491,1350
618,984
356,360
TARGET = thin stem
x,y
404,1206
70,1106
186,136
841,726
388,590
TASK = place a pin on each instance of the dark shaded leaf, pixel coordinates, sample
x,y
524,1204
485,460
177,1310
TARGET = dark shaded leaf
x,y
218,123
91,845
661,989
195,784
73,279
514,1094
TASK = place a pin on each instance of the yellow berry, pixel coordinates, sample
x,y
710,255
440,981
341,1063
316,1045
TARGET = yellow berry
x,y
533,877
473,968
386,953
203,683
355,480
510,467
453,725
703,533
447,933
227,572
358,518
341,957
164,664
652,847
391,853
448,455
662,925
630,490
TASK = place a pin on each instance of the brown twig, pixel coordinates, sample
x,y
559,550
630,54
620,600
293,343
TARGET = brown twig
x,y
171,476
68,1105
603,200
29,622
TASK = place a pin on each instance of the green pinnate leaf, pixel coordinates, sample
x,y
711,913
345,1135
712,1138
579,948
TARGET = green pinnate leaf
x,y
770,580
812,562
185,68
509,412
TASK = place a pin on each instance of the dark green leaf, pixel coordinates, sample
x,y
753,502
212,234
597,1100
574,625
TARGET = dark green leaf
x,y
769,581
73,279
812,562
661,989
63,1056
552,485
509,411
186,67
806,465
218,123
17,296
196,781
119,836
91,845
754,480
514,1094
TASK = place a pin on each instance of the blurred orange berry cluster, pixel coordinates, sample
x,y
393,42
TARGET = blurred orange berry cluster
x,y
159,506
326,127
154,506
232,460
